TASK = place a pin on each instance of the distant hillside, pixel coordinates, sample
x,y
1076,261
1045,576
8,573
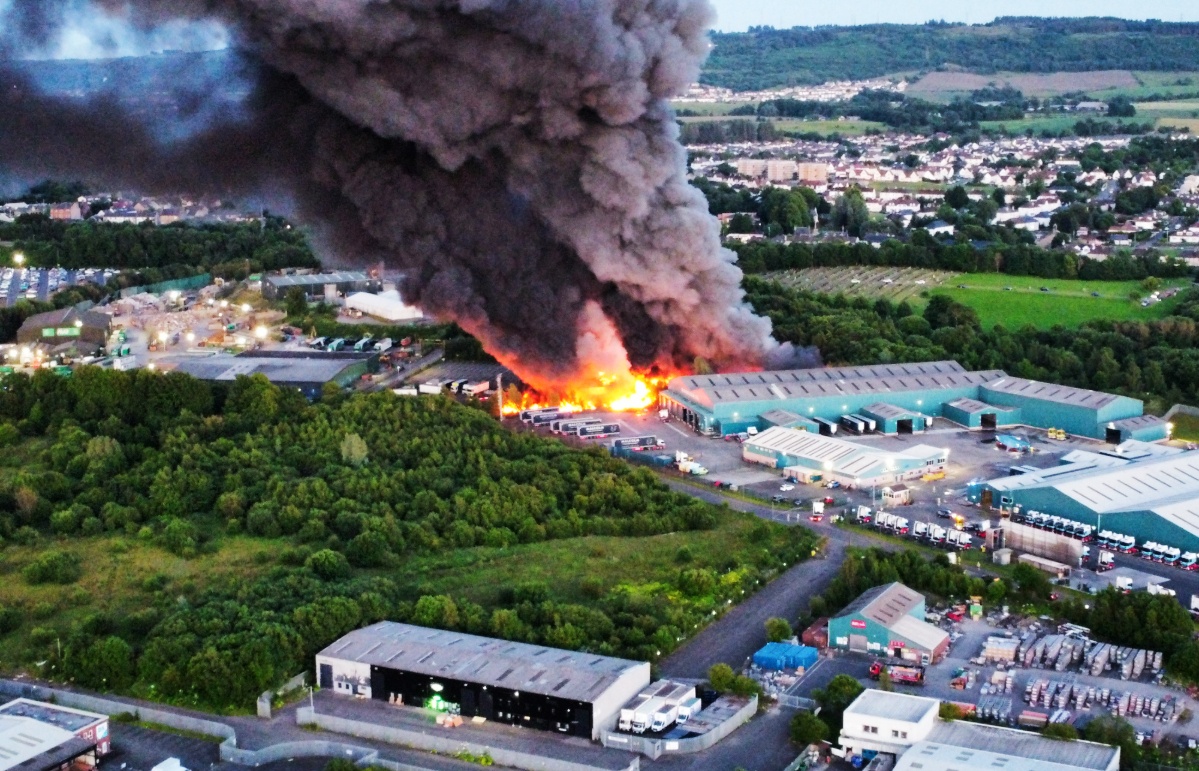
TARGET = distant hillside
x,y
765,57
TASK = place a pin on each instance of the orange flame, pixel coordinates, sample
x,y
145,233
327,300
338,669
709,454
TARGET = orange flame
x,y
609,393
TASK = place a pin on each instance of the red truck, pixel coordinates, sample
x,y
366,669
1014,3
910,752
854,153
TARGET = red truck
x,y
899,674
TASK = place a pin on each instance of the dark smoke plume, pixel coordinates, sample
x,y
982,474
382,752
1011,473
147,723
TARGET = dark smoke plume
x,y
517,158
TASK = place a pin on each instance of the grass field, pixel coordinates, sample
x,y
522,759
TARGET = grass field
x,y
479,574
707,108
1104,84
823,127
1068,303
1186,427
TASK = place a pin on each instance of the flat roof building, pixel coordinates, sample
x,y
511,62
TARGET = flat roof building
x,y
899,399
551,689
36,736
307,371
888,620
908,727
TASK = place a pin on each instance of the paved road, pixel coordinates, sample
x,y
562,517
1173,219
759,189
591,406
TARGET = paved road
x,y
734,637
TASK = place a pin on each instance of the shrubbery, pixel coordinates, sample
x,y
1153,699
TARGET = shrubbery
x,y
55,567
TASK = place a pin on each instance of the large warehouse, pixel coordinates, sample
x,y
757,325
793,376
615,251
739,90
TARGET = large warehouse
x,y
528,685
307,371
89,329
319,285
1144,490
888,620
900,399
36,736
808,456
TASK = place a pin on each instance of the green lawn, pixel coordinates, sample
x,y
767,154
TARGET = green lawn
x,y
1055,123
1186,427
826,127
707,108
1069,303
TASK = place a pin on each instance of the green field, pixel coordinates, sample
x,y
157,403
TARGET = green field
x,y
1186,427
1068,303
794,125
646,565
718,109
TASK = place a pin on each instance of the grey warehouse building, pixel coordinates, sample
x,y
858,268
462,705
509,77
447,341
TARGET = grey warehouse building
x,y
317,285
307,371
570,692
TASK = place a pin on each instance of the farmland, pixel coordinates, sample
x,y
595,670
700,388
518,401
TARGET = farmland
x,y
1011,301
943,86
822,127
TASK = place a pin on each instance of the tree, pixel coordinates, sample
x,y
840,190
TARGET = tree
x,y
807,729
999,197
721,676
354,451
957,197
1121,107
1031,582
950,711
835,697
742,223
850,212
328,565
1060,731
778,630
296,302
884,681
1116,732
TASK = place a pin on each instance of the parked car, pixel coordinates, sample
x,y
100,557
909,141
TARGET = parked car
x,y
786,488
944,514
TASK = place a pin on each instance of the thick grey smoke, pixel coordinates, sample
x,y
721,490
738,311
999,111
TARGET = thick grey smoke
x,y
517,158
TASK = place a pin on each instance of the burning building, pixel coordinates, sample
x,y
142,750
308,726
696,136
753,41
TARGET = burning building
x,y
518,159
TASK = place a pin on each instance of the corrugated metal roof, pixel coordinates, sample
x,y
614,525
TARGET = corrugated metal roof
x,y
314,369
838,455
522,667
1142,421
920,632
990,743
1058,394
340,277
974,406
890,411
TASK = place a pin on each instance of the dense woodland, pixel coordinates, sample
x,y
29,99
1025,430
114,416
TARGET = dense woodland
x,y
349,489
766,57
159,253
1157,361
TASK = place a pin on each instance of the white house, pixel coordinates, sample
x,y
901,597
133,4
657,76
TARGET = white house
x,y
882,721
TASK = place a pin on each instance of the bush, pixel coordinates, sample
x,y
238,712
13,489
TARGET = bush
x,y
778,630
328,565
1060,731
807,729
55,567
721,676
10,620
950,711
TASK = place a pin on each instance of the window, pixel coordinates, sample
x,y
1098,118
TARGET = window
x,y
870,729
903,734
894,734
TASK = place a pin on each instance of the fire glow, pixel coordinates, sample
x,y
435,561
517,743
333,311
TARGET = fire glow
x,y
630,393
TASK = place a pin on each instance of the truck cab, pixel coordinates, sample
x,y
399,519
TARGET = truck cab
x,y
1188,561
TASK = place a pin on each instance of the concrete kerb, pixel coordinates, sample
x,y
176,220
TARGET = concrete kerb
x,y
441,744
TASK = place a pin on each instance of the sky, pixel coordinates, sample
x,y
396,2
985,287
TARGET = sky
x,y
737,15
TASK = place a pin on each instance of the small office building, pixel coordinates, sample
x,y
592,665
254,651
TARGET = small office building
x,y
908,729
569,692
888,620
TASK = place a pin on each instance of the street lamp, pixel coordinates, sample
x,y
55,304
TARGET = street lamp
x,y
18,258
260,332
79,323
191,337
246,308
